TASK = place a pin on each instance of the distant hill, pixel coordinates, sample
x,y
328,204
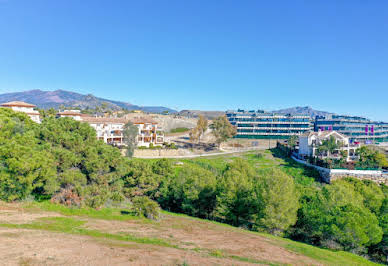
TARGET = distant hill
x,y
55,99
298,110
196,113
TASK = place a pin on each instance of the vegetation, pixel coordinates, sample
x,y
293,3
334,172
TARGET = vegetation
x,y
62,160
179,130
200,129
278,196
222,129
76,222
371,158
328,146
130,132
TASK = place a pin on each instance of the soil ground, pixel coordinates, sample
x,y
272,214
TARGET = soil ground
x,y
195,242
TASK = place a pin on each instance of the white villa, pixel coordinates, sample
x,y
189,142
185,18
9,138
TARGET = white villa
x,y
148,132
75,114
310,142
27,108
110,129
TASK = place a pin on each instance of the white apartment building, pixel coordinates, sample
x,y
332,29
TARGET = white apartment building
x,y
23,107
75,114
310,142
148,132
110,130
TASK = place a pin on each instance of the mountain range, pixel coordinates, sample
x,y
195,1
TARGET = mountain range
x,y
306,110
60,98
68,99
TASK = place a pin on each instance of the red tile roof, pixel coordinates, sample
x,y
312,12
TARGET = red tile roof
x,y
70,113
142,120
91,119
18,104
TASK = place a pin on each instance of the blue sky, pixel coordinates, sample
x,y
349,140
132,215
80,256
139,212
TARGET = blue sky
x,y
211,55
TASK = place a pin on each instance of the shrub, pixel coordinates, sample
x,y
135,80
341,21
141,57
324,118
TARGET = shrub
x,y
145,207
67,196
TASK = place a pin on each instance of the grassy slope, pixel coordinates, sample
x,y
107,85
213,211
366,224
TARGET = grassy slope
x,y
73,222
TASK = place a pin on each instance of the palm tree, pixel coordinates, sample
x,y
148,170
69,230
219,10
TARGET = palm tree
x,y
329,145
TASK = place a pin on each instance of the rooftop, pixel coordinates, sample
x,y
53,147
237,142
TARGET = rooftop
x,y
70,112
91,119
18,104
142,120
323,134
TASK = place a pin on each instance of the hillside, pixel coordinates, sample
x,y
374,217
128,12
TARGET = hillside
x,y
55,99
196,113
47,234
302,110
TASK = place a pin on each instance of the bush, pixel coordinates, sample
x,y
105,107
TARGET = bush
x,y
67,196
145,207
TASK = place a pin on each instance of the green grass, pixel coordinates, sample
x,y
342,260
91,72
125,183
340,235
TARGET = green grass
x,y
179,130
324,256
221,254
104,213
71,225
74,226
302,175
260,160
244,259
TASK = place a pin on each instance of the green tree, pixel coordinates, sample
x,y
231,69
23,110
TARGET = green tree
x,y
380,250
25,165
140,180
130,133
371,158
222,129
329,145
292,142
335,217
44,113
194,135
93,168
192,191
372,194
277,202
236,200
202,125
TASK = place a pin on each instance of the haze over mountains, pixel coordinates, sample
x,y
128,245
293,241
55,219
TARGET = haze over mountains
x,y
58,98
68,99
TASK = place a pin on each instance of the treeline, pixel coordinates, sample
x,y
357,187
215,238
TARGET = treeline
x,y
350,214
62,160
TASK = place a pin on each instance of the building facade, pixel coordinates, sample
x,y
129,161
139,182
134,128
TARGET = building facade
x,y
148,132
110,129
75,114
260,124
358,129
23,107
309,144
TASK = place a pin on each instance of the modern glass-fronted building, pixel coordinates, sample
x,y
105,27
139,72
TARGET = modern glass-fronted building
x,y
356,128
260,124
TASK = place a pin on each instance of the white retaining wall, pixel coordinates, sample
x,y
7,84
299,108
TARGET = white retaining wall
x,y
328,175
